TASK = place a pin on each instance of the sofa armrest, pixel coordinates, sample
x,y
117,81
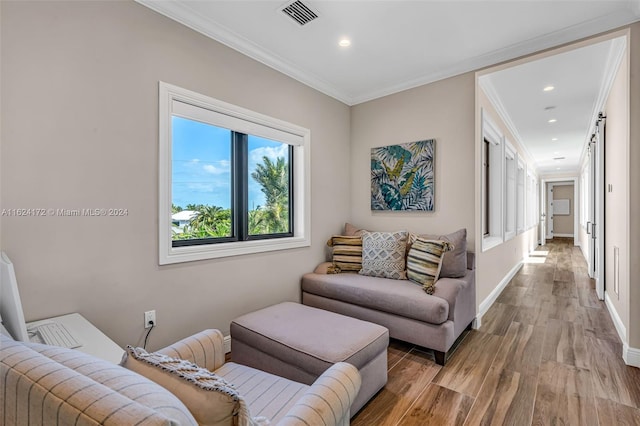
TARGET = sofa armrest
x,y
328,400
205,349
322,268
471,261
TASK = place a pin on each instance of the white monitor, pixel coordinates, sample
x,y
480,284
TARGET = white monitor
x,y
10,304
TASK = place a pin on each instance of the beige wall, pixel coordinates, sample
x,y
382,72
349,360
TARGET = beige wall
x,y
617,201
442,111
563,224
496,263
81,80
634,187
80,130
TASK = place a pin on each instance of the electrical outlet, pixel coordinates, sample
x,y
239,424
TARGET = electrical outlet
x,y
150,317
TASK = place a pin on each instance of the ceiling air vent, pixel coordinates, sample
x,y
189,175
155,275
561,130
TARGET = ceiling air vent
x,y
299,12
558,158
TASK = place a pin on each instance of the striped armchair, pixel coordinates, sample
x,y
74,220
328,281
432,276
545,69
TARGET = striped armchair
x,y
281,401
46,385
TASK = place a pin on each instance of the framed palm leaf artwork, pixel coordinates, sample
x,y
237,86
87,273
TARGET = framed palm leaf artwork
x,y
402,176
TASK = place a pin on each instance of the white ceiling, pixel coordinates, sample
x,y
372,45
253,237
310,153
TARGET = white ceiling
x,y
581,79
398,44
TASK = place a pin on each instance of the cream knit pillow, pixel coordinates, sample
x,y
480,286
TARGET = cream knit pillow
x,y
211,399
383,254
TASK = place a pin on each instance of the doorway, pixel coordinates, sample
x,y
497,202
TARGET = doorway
x,y
561,214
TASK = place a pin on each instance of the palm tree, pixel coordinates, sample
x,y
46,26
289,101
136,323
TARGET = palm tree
x,y
212,221
274,180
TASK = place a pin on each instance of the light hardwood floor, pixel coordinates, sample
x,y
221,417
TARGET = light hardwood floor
x,y
547,354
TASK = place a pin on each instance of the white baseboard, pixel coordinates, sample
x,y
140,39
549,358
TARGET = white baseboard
x,y
617,321
493,296
227,344
631,356
563,235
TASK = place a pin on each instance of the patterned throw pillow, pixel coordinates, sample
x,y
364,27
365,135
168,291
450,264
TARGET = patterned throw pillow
x,y
454,262
347,253
383,254
425,261
209,397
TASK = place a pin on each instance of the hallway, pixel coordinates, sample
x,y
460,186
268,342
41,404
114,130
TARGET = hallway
x,y
547,353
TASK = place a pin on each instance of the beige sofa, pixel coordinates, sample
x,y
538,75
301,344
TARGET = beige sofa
x,y
48,385
432,321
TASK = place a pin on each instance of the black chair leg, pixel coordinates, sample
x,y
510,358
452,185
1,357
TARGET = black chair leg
x,y
440,357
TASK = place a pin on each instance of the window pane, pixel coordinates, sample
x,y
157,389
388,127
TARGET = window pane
x,y
268,169
201,180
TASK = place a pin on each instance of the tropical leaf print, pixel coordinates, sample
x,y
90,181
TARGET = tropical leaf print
x,y
402,176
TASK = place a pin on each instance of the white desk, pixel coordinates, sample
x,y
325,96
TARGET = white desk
x,y
94,342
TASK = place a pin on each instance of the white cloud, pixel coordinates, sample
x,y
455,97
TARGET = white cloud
x,y
272,153
218,168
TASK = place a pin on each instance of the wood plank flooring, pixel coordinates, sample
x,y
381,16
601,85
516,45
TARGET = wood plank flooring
x,y
547,354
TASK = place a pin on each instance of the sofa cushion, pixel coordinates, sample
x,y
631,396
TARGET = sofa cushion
x,y
425,260
399,297
42,383
210,398
454,262
383,254
347,253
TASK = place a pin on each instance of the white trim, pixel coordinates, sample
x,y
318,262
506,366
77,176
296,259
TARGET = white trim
x,y
493,296
180,12
491,133
614,59
299,138
489,89
566,181
631,356
617,321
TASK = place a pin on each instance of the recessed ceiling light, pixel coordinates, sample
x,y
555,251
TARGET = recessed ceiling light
x,y
553,120
557,168
548,88
554,139
556,152
345,42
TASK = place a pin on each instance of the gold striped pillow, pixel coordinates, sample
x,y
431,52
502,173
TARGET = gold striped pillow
x,y
347,253
425,261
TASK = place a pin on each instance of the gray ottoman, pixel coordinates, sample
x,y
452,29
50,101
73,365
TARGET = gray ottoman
x,y
300,342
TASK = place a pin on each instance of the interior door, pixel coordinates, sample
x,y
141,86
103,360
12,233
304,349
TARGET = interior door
x,y
543,213
596,209
549,218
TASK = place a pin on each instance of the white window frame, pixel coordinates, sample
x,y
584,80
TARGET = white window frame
x,y
520,191
253,123
492,134
531,202
510,159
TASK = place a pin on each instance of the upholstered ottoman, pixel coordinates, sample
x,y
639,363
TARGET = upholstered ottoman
x,y
300,342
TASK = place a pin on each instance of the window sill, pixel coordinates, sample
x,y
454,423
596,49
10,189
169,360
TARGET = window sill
x,y
214,251
490,242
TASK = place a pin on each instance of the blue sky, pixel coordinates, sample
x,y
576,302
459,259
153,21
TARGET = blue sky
x,y
201,167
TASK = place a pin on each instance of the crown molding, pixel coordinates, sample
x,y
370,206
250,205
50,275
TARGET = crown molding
x,y
182,13
489,89
614,59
